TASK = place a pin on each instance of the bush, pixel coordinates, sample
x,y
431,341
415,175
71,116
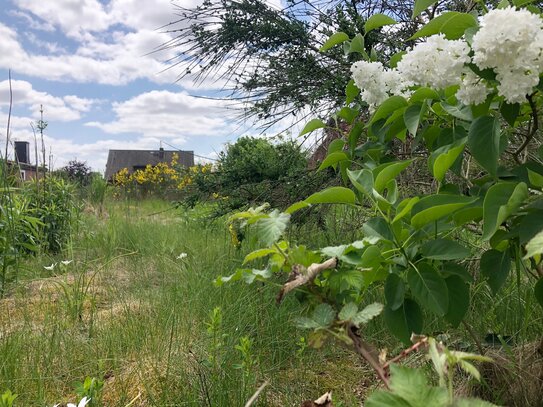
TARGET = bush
x,y
52,201
254,170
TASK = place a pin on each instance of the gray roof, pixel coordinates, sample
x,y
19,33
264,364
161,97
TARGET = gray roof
x,y
119,159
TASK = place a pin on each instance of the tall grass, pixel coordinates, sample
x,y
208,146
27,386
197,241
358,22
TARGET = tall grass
x,y
143,325
130,311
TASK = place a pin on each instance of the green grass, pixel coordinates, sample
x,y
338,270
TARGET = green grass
x,y
127,311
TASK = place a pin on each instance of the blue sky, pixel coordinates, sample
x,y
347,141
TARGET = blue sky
x,y
87,63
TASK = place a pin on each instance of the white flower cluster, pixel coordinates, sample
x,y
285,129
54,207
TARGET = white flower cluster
x,y
509,41
436,63
473,90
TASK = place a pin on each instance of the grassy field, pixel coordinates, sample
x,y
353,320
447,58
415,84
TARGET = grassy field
x,y
127,310
130,310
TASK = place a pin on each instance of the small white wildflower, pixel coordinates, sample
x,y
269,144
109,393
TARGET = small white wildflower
x,y
436,63
51,267
473,90
82,403
181,256
66,262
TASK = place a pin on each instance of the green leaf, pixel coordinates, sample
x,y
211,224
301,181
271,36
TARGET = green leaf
x,y
397,57
535,178
348,311
429,288
421,5
495,267
452,24
411,117
434,207
362,180
444,157
378,21
388,107
257,254
455,269
510,112
386,172
335,39
538,291
411,385
272,227
501,201
484,142
394,291
296,207
422,94
460,112
458,300
351,92
367,314
332,195
404,321
473,403
378,228
332,160
312,126
381,398
535,246
357,45
444,249
324,315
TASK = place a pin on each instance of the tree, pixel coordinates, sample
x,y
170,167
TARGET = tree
x,y
78,172
270,58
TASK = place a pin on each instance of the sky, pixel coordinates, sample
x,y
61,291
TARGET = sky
x,y
90,64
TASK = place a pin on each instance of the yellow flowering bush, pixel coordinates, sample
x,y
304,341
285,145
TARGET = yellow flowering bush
x,y
160,179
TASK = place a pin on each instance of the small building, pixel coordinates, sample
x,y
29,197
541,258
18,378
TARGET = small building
x,y
27,171
135,160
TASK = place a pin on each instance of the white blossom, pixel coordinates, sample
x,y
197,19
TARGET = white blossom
x,y
181,256
377,83
473,89
368,77
511,42
66,262
436,63
51,267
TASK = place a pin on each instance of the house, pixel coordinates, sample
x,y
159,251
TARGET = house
x,y
26,170
135,160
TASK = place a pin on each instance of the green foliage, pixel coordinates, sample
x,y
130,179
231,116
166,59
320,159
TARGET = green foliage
x,y
77,172
410,388
53,202
482,206
92,389
7,399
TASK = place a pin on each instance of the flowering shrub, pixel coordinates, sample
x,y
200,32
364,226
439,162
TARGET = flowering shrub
x,y
465,101
161,179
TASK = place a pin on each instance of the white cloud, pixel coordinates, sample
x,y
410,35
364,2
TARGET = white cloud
x,y
33,23
64,109
168,114
96,61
